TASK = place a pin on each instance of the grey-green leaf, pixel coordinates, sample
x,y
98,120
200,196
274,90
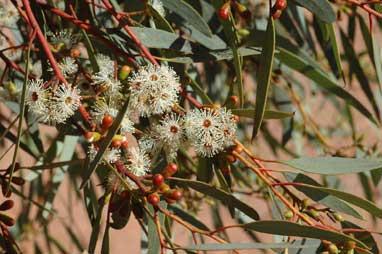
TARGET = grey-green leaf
x,y
220,195
189,14
277,227
247,246
268,114
321,197
321,8
334,165
263,75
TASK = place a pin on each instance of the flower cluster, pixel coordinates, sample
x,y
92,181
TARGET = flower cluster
x,y
153,90
52,105
210,130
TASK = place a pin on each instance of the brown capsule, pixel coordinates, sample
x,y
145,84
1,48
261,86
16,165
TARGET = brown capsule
x,y
6,205
7,220
125,209
18,180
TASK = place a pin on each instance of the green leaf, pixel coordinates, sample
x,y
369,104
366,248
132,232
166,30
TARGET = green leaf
x,y
188,217
105,143
321,197
355,65
287,228
153,239
321,8
268,114
20,126
189,14
350,198
154,38
263,75
306,66
372,47
365,237
333,165
219,194
246,246
334,47
213,55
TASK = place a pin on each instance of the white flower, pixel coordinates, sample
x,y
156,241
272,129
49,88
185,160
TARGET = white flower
x,y
37,96
62,38
68,66
154,90
8,14
111,155
210,131
67,100
170,134
137,162
158,6
105,64
127,126
228,126
166,136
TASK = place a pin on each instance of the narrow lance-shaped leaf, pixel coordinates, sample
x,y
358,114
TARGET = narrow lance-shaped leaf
x,y
263,75
189,14
287,228
334,165
268,114
248,246
321,197
220,195
350,198
355,65
21,117
321,8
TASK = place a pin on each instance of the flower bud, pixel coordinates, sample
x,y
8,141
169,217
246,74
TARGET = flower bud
x,y
124,72
170,170
153,199
92,136
224,11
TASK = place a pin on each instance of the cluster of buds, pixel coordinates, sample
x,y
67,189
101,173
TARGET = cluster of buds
x,y
225,10
161,189
278,8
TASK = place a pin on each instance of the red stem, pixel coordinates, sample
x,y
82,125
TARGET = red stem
x,y
135,39
44,43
